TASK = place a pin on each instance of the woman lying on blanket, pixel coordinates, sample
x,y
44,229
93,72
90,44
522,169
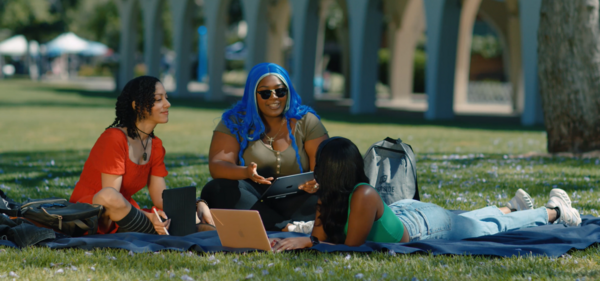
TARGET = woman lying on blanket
x,y
351,212
127,157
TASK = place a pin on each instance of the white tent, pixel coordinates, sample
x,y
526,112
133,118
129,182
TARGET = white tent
x,y
14,46
95,49
67,43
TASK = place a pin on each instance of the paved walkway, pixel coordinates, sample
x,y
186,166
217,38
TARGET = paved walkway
x,y
416,104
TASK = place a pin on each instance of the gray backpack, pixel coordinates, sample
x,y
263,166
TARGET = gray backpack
x,y
392,169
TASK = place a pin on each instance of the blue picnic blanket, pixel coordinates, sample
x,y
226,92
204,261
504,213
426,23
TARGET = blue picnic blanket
x,y
548,240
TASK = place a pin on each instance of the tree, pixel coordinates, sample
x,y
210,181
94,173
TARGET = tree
x,y
569,74
33,18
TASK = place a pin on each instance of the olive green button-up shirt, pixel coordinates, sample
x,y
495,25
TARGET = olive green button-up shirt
x,y
272,163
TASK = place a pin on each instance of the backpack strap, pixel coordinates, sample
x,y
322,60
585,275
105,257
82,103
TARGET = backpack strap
x,y
81,225
411,156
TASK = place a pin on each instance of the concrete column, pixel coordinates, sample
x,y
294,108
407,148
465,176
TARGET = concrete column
x,y
514,47
443,17
128,14
411,25
255,13
365,36
279,24
320,62
305,25
182,44
468,15
343,34
153,35
530,19
215,16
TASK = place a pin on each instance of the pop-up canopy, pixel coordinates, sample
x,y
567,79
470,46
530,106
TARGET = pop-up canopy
x,y
95,49
67,43
14,46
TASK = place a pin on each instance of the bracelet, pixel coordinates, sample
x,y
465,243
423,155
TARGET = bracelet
x,y
201,200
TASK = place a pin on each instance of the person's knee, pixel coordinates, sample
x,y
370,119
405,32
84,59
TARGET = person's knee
x,y
110,198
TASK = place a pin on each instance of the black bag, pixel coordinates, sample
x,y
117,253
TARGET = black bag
x,y
73,219
391,167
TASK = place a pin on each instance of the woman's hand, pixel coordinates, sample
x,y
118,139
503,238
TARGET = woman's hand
x,y
204,213
273,241
292,243
255,177
309,186
159,226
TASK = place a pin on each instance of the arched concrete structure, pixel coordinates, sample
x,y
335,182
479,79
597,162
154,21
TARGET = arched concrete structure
x,y
153,35
278,21
255,13
268,25
343,33
129,14
517,24
365,38
305,24
514,45
496,14
468,15
530,19
182,33
320,61
407,24
216,15
443,18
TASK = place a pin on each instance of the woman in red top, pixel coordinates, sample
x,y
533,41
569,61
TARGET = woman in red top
x,y
127,157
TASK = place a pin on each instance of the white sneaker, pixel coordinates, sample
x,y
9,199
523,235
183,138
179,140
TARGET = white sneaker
x,y
569,216
521,201
557,192
305,227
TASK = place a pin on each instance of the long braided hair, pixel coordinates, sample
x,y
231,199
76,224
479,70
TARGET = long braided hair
x,y
243,119
141,90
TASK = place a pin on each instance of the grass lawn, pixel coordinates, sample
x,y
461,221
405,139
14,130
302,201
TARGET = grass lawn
x,y
46,133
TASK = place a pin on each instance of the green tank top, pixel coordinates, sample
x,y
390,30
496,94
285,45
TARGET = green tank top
x,y
387,229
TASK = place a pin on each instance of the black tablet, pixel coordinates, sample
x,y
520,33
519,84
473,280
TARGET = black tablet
x,y
286,186
180,206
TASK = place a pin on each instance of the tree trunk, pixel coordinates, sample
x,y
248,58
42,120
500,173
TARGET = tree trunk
x,y
569,74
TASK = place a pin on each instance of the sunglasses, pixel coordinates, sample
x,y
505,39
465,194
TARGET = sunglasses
x,y
266,94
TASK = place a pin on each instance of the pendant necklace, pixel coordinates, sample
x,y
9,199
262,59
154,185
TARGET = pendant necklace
x,y
145,156
272,139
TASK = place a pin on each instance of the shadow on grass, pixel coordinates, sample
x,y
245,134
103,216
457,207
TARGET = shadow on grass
x,y
36,168
188,102
326,110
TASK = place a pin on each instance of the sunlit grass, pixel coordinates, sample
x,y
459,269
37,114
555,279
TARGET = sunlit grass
x,y
46,134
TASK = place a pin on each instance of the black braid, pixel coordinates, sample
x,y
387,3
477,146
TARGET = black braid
x,y
141,90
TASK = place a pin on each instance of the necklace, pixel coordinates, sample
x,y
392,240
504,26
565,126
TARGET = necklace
x,y
145,156
272,139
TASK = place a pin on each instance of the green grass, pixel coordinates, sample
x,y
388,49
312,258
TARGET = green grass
x,y
46,134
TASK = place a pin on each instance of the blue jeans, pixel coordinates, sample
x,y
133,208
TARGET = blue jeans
x,y
430,221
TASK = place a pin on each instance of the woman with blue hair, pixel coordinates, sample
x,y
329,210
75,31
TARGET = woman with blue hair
x,y
268,134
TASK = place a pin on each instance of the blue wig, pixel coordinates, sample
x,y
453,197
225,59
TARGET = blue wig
x,y
243,119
